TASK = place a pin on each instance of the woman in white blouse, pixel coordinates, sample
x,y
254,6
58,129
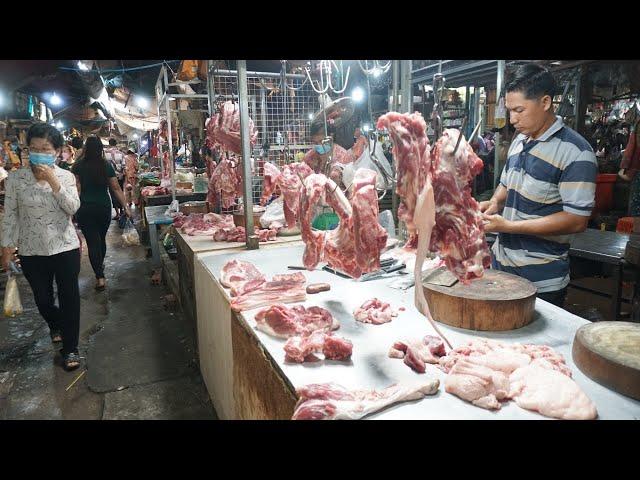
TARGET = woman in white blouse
x,y
40,202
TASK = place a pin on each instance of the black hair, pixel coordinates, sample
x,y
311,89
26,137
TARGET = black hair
x,y
317,128
534,81
76,142
46,131
112,142
93,165
130,152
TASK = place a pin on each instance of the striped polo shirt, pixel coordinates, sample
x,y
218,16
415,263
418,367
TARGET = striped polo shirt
x,y
553,173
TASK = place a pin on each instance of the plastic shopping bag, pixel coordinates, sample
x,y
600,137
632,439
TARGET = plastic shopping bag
x,y
130,235
12,303
273,213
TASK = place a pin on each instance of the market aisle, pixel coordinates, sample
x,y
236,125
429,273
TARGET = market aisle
x,y
140,358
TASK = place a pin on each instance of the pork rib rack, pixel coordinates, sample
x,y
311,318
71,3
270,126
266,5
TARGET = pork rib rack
x,y
223,128
354,246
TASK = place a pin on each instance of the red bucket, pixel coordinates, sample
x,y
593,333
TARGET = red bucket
x,y
604,192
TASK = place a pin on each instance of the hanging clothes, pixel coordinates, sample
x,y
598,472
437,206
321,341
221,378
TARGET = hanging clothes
x,y
630,165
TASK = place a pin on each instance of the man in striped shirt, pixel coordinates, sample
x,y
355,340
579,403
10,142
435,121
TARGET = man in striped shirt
x,y
546,190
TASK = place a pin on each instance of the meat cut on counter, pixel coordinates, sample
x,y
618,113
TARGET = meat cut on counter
x,y
285,288
374,311
303,348
417,353
330,401
151,191
223,128
354,246
241,277
237,234
281,321
202,224
486,372
289,180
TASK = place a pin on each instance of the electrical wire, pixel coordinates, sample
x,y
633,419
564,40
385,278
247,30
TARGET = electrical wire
x,y
120,70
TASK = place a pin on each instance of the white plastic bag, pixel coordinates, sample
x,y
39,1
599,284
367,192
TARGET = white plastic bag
x,y
130,235
174,207
12,303
273,213
365,161
385,219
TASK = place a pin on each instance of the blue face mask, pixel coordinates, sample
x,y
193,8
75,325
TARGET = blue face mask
x,y
42,159
322,149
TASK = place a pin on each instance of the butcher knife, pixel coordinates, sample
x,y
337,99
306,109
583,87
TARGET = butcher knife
x,y
381,273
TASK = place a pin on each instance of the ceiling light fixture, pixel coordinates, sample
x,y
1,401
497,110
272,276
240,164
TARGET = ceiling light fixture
x,y
357,94
82,66
59,124
55,100
142,102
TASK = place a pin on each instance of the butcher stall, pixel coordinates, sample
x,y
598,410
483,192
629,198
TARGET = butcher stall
x,y
353,318
247,376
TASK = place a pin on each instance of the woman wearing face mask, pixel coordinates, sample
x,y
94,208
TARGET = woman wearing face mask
x,y
319,154
67,157
39,204
95,175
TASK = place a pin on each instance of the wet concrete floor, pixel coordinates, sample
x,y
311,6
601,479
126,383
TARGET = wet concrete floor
x,y
139,359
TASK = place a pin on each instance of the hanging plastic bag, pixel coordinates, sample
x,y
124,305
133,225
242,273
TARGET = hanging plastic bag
x,y
173,209
273,213
365,161
12,303
130,235
385,219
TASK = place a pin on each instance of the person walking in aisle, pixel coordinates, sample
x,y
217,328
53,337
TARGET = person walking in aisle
x,y
116,159
95,176
39,204
131,174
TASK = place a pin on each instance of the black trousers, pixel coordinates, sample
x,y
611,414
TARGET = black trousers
x,y
94,221
40,272
557,297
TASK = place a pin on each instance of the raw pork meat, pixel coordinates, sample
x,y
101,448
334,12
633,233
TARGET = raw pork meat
x,y
417,208
281,321
354,246
223,128
237,234
202,224
374,311
417,353
285,288
458,235
301,349
227,180
436,202
477,384
329,401
241,277
154,191
290,183
541,388
540,380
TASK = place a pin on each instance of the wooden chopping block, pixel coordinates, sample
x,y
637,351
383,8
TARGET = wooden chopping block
x,y
238,219
497,301
609,353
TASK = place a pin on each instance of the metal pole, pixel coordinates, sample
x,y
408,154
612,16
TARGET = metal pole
x,y
394,108
252,239
210,93
497,155
407,92
394,91
170,140
580,105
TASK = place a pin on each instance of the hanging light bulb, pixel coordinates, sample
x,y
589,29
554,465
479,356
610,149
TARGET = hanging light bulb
x,y
55,100
142,102
357,94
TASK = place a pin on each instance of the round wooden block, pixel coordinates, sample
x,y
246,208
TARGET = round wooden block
x,y
609,353
497,301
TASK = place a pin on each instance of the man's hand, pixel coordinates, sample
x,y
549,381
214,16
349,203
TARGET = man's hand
x,y
496,223
42,172
489,207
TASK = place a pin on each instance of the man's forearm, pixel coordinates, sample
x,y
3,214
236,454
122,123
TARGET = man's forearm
x,y
500,196
561,223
